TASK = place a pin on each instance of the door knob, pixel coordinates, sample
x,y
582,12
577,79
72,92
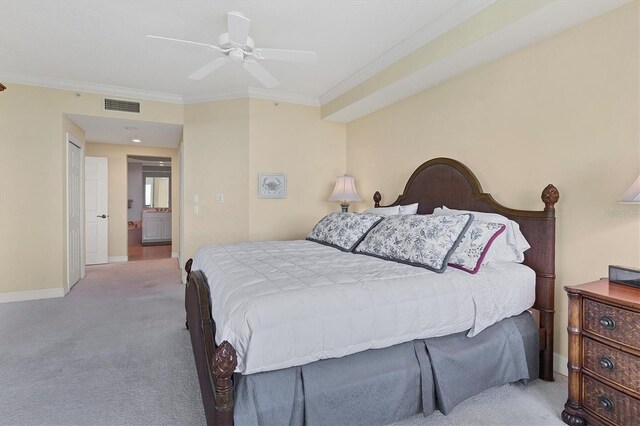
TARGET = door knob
x,y
104,216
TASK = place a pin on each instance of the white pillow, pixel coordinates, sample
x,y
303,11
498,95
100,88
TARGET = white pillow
x,y
509,246
409,209
383,211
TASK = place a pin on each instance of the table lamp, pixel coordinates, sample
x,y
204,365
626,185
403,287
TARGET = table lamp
x,y
344,192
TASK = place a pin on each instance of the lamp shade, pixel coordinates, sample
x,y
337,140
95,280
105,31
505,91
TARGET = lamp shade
x,y
345,190
632,195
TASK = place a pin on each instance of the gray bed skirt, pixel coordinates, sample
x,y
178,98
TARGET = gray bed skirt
x,y
382,386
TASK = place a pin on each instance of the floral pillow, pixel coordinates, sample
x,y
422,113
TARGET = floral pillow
x,y
474,245
343,230
419,240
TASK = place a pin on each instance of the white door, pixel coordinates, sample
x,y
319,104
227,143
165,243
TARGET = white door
x,y
96,209
74,203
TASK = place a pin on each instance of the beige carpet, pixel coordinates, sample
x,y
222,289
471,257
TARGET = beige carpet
x,y
114,351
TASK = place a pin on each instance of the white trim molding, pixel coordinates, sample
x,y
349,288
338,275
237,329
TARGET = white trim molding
x,y
560,364
19,296
99,89
118,259
174,255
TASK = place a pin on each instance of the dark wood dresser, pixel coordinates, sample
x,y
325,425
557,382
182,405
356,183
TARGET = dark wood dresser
x,y
604,354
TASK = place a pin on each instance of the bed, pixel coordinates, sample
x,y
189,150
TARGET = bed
x,y
436,183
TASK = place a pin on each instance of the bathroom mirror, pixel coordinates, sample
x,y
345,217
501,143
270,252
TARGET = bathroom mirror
x,y
157,192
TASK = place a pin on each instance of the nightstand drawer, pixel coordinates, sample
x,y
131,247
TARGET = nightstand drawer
x,y
615,365
613,323
608,403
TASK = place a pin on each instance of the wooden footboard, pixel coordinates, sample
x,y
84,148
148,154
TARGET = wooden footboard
x,y
215,364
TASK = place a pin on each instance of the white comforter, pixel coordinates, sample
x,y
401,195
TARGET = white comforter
x,y
286,303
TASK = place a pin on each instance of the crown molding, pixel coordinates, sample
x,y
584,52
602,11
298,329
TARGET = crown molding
x,y
253,93
293,98
220,95
124,92
452,17
99,89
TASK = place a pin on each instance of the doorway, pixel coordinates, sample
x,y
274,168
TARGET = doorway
x,y
75,234
149,207
96,184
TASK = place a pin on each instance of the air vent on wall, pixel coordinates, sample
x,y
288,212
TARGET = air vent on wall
x,y
119,105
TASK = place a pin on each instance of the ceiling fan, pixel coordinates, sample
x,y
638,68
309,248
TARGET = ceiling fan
x,y
236,45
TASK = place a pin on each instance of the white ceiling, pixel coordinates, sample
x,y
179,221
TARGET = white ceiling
x,y
104,43
100,46
121,132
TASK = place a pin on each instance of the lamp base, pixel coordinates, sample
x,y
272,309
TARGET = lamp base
x,y
345,207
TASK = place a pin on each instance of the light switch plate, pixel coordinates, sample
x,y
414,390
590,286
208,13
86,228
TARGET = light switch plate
x,y
196,199
219,198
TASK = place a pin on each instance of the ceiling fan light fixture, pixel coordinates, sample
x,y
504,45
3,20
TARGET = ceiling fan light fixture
x,y
236,54
236,45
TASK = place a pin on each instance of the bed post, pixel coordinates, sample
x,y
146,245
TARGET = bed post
x,y
550,197
223,365
187,268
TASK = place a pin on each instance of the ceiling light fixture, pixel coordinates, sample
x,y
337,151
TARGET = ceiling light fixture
x,y
136,140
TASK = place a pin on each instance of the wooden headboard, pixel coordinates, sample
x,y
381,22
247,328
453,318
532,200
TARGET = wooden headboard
x,y
446,182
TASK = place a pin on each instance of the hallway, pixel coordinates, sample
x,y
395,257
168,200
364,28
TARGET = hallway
x,y
139,252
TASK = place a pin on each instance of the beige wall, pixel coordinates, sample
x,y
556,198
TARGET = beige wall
x,y
292,139
226,145
33,179
118,188
564,111
216,160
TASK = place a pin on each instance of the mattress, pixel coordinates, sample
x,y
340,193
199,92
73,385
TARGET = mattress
x,y
287,303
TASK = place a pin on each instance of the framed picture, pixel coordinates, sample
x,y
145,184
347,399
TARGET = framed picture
x,y
272,185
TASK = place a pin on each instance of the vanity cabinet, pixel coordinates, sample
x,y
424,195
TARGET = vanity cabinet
x,y
156,227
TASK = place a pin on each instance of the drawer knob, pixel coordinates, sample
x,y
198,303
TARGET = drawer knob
x,y
607,363
607,322
606,403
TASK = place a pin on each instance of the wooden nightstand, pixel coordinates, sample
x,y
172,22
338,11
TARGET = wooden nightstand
x,y
604,354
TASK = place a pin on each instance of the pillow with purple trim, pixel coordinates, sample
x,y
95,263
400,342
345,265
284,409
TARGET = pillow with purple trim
x,y
474,246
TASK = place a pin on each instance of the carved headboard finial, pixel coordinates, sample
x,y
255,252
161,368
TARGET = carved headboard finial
x,y
550,196
376,199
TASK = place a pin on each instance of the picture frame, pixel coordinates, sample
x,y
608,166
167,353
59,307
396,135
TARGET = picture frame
x,y
272,185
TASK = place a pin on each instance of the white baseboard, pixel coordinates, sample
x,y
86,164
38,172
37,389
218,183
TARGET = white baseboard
x,y
118,259
174,254
560,364
19,296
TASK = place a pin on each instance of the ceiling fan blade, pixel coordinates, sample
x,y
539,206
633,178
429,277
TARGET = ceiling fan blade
x,y
301,56
208,68
212,46
260,73
238,26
